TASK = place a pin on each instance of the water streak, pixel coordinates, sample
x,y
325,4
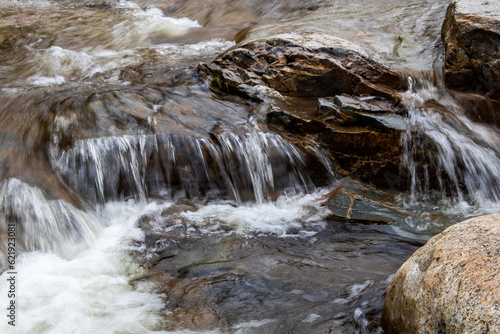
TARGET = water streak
x,y
447,151
253,166
42,223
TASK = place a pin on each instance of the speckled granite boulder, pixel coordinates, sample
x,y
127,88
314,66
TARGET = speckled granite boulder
x,y
451,285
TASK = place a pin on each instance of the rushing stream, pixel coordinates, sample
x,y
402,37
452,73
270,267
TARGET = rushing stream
x,y
144,203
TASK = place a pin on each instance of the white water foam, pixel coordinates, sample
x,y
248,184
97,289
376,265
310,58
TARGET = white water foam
x,y
272,217
144,24
42,223
89,293
38,80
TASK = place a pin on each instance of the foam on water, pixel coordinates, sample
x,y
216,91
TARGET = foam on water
x,y
89,293
43,223
272,217
38,80
95,41
145,24
57,64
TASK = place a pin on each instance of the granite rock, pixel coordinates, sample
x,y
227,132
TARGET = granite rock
x,y
451,285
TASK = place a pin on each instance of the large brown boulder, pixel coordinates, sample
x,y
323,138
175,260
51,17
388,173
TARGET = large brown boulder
x,y
312,66
471,36
451,285
321,91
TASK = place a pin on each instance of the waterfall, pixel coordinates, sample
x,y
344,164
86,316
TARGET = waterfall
x,y
42,223
250,166
263,162
447,152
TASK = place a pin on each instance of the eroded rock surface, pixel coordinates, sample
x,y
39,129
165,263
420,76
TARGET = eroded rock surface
x,y
313,66
322,93
471,36
451,285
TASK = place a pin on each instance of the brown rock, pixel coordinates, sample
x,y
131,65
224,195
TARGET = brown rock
x,y
479,108
451,285
313,66
471,36
362,145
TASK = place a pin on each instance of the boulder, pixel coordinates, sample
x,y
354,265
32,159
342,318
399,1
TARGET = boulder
x,y
361,142
471,36
451,285
320,91
312,66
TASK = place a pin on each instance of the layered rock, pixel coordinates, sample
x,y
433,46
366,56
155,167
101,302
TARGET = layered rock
x,y
451,285
471,36
313,66
361,144
322,93
353,200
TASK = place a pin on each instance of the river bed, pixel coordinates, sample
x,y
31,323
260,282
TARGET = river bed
x,y
143,202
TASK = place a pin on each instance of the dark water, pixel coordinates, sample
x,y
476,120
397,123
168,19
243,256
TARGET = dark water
x,y
143,202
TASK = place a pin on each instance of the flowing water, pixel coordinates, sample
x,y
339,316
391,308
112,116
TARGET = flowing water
x,y
143,203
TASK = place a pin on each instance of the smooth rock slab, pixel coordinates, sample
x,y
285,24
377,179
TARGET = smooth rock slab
x,y
451,285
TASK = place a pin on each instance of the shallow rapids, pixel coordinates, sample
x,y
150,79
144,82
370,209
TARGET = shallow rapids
x,y
143,201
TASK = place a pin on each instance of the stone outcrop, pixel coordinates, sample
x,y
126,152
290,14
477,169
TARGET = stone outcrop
x,y
451,285
324,92
313,66
362,145
471,36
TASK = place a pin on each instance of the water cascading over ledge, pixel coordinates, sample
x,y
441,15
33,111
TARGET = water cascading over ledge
x,y
446,155
42,223
252,166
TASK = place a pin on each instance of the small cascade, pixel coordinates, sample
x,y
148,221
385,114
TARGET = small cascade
x,y
447,152
105,169
41,223
263,163
252,166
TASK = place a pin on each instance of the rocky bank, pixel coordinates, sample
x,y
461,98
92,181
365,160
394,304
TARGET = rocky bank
x,y
471,37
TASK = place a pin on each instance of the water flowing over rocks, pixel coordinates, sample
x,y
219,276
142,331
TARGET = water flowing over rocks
x,y
471,36
321,91
451,285
162,178
216,273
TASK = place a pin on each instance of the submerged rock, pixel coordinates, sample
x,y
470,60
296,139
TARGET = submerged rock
x,y
451,285
353,200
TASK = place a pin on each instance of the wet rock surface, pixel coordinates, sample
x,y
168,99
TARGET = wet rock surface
x,y
451,285
312,66
361,144
323,275
471,36
353,200
321,91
